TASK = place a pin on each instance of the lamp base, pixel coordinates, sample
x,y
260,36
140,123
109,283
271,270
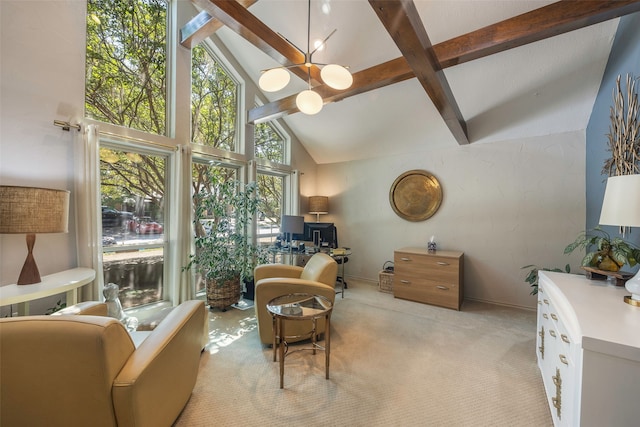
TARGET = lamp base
x,y
629,300
29,274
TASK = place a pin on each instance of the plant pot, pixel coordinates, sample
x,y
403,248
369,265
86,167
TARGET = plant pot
x,y
223,295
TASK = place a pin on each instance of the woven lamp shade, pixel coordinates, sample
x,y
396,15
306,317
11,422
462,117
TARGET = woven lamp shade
x,y
33,210
318,205
30,210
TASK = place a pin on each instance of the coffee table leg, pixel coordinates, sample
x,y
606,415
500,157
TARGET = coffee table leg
x,y
314,336
327,344
281,334
275,334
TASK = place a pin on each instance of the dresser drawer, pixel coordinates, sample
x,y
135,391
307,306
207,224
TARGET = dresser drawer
x,y
434,268
432,292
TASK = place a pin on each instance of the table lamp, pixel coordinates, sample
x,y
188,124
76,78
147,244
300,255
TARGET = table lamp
x,y
621,207
32,210
318,205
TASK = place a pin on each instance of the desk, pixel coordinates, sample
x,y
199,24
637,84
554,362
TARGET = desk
x,y
308,252
300,307
66,281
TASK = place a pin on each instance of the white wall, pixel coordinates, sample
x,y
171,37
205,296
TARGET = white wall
x,y
505,205
42,79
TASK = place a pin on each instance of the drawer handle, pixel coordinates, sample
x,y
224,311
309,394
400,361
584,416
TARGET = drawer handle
x,y
552,333
554,317
565,338
442,263
546,301
444,288
539,302
405,259
406,282
563,359
545,315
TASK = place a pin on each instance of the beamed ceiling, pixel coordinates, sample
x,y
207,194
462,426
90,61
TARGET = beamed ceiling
x,y
427,73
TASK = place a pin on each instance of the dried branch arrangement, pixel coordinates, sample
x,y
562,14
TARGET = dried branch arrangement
x,y
624,131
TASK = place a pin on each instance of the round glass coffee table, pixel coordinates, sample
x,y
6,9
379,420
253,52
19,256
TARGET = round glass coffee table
x,y
300,307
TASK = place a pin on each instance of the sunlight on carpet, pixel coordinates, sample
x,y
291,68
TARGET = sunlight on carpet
x,y
393,362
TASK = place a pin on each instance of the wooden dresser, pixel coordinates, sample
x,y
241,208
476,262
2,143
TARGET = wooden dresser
x,y
431,278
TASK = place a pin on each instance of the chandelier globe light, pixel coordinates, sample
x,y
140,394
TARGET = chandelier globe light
x,y
309,102
333,75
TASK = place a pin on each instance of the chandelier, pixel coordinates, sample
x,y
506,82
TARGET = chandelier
x,y
333,75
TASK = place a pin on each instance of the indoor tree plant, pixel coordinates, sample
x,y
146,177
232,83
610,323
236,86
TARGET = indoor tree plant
x,y
225,255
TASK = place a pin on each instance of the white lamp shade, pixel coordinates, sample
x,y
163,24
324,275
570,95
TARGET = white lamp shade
x,y
621,203
274,79
336,76
309,102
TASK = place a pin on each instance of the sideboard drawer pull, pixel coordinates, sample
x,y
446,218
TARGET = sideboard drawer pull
x,y
442,263
405,259
444,288
546,301
554,317
563,359
406,282
552,333
565,338
545,315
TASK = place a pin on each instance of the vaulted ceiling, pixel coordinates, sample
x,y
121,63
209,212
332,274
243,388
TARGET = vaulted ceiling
x,y
427,73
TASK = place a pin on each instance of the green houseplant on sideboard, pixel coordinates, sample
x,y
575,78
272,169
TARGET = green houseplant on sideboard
x,y
605,253
224,253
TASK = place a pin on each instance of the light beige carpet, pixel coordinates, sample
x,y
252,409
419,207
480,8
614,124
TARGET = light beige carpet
x,y
393,363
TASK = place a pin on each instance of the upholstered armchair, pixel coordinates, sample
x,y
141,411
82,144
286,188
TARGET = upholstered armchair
x,y
83,368
318,277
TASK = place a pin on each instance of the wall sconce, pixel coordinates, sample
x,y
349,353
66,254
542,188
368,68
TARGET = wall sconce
x,y
318,205
32,210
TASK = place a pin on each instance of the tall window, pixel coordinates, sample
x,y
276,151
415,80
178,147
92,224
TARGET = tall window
x,y
269,143
214,102
204,175
126,72
271,191
132,192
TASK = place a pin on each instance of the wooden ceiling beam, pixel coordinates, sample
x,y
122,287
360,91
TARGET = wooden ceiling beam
x,y
539,24
202,26
235,16
548,21
402,21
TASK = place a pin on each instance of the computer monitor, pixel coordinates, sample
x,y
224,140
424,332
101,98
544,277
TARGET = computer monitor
x,y
321,233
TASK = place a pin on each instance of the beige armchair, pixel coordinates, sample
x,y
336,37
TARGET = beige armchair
x,y
318,277
84,369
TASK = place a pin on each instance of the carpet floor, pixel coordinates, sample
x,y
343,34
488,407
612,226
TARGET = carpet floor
x,y
393,363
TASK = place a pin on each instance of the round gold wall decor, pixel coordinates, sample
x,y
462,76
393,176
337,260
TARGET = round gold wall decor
x,y
415,195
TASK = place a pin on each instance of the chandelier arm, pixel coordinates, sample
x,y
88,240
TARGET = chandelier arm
x,y
323,42
291,43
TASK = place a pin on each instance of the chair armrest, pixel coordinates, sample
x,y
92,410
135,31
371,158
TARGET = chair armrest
x,y
163,369
276,270
87,308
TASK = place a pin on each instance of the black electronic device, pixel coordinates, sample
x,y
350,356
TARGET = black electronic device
x,y
321,234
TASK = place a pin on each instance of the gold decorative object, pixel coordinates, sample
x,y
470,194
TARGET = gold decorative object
x,y
415,195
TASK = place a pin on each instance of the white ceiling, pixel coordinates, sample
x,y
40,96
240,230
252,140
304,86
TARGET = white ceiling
x,y
538,89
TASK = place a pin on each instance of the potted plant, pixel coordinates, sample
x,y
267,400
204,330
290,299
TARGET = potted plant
x,y
224,253
608,254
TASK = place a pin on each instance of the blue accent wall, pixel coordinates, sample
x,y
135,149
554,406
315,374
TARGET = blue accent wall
x,y
624,59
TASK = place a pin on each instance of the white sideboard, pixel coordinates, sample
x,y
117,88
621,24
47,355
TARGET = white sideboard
x,y
64,282
588,349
